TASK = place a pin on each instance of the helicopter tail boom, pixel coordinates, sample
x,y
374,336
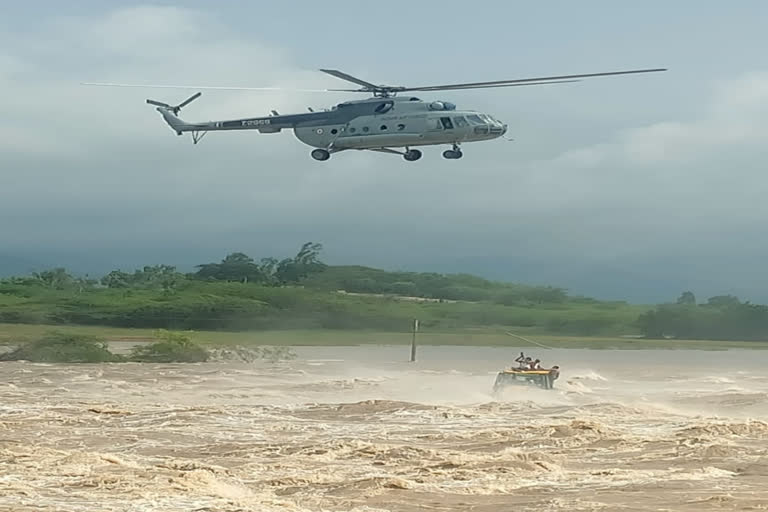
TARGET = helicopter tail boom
x,y
170,113
174,122
270,124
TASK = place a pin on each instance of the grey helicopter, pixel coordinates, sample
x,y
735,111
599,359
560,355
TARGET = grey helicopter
x,y
390,121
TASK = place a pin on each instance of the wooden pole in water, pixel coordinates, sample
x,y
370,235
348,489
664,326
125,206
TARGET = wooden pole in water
x,y
413,340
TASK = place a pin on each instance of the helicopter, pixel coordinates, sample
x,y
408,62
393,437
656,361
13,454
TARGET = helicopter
x,y
387,121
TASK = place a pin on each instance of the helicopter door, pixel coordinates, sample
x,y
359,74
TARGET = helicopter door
x,y
447,123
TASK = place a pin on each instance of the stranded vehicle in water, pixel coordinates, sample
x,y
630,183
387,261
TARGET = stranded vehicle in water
x,y
543,378
529,372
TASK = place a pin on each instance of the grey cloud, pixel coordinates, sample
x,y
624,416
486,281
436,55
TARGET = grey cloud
x,y
96,171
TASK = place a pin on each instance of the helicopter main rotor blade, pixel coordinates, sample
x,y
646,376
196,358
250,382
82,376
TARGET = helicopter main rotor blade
x,y
520,81
494,86
349,78
189,100
155,86
158,103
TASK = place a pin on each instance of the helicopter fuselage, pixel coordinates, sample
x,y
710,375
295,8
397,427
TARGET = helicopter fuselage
x,y
378,124
382,123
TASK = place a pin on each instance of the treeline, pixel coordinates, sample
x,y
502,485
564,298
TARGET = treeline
x,y
236,267
301,292
306,269
457,287
722,317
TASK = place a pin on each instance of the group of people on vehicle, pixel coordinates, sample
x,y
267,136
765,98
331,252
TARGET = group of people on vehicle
x,y
526,363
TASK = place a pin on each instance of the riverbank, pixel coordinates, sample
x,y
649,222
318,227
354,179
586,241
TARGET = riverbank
x,y
14,333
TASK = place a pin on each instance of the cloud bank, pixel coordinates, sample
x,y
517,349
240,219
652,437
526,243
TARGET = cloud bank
x,y
94,176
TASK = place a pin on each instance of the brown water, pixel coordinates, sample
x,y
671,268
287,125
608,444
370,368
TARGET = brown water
x,y
359,428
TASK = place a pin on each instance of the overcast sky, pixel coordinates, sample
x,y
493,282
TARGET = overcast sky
x,y
633,187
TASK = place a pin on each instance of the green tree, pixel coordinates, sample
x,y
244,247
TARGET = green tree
x,y
268,268
723,301
309,254
57,278
306,262
236,266
116,279
169,347
687,298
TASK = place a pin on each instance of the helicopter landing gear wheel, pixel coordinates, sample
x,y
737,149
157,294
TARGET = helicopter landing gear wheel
x,y
412,155
320,154
452,154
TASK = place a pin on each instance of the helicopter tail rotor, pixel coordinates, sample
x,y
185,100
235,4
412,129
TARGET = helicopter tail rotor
x,y
176,108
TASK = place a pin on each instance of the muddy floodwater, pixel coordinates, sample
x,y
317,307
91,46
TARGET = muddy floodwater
x,y
360,428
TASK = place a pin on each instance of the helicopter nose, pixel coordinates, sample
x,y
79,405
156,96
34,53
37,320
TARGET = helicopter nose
x,y
498,129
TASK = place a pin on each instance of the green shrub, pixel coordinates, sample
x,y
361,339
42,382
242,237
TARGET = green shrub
x,y
170,347
58,347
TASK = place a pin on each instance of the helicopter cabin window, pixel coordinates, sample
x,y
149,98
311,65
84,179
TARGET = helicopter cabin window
x,y
383,127
352,129
434,124
475,119
447,123
334,131
400,127
383,107
460,122
365,128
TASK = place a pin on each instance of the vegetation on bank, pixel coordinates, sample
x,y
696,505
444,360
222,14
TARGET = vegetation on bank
x,y
240,293
280,344
722,317
57,347
168,347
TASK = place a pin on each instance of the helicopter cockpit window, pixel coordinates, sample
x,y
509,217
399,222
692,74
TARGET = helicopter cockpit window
x,y
383,107
460,121
475,119
447,124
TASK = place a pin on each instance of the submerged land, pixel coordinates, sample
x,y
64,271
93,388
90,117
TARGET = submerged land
x,y
359,429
